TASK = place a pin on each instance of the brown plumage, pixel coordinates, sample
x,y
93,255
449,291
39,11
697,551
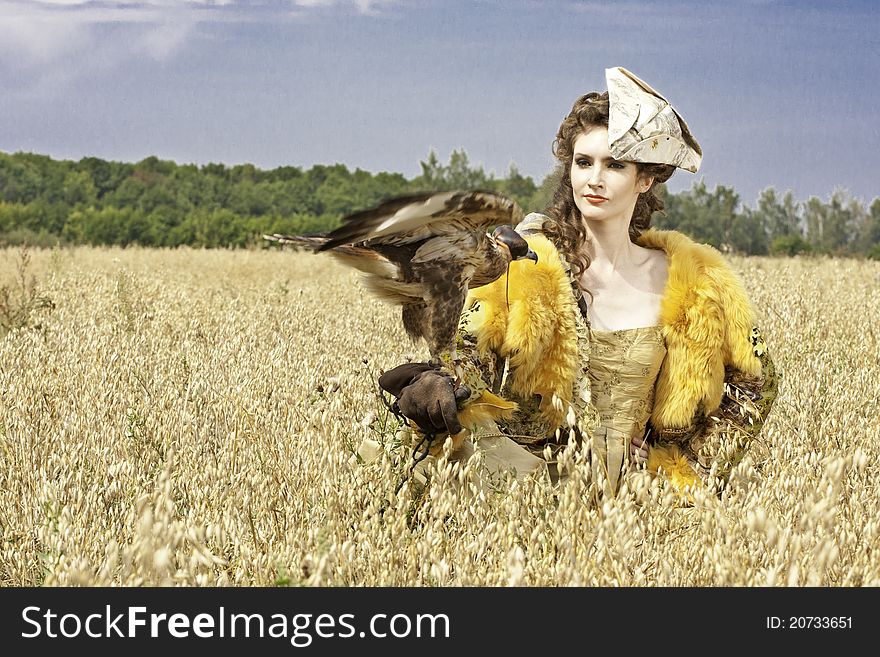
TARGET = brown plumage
x,y
423,252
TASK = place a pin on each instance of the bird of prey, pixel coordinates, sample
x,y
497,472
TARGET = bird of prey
x,y
423,252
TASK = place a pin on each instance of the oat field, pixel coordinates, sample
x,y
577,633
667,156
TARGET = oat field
x,y
188,417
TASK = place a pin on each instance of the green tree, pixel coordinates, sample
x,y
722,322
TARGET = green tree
x,y
210,228
27,177
705,216
869,236
543,196
790,245
106,226
832,226
339,193
244,172
748,234
248,198
78,188
458,174
153,165
106,176
780,216
520,188
844,218
433,175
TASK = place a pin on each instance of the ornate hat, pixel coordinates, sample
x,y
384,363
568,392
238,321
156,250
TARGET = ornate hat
x,y
644,127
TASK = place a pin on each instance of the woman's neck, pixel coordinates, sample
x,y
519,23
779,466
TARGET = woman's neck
x,y
609,246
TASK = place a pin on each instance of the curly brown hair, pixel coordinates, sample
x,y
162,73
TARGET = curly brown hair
x,y
565,228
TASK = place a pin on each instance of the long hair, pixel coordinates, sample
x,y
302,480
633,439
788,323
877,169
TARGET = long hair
x,y
565,228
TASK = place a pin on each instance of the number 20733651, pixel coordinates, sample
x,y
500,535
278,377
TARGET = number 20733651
x,y
809,622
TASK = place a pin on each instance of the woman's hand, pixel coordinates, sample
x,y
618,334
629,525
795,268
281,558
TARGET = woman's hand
x,y
638,449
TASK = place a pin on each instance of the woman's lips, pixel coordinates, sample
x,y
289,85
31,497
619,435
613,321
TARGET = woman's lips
x,y
595,200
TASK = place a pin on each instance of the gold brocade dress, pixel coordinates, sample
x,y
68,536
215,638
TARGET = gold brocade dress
x,y
623,372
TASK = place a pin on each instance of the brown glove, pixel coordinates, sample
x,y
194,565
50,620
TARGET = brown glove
x,y
426,396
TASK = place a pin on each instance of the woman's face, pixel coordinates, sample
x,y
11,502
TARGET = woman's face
x,y
604,189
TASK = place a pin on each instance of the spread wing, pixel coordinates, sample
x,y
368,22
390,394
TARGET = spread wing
x,y
361,258
420,217
398,241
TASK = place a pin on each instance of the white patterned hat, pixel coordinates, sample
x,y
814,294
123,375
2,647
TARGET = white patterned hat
x,y
644,127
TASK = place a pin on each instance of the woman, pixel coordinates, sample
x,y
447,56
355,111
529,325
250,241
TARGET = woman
x,y
640,340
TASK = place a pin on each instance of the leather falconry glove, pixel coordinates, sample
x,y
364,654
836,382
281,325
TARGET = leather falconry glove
x,y
426,395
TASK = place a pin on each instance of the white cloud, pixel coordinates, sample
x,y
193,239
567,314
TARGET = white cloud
x,y
162,40
42,30
371,6
363,6
38,39
48,44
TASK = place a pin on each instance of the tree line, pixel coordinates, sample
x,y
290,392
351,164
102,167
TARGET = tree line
x,y
157,202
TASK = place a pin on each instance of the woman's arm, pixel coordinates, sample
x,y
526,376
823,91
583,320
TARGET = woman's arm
x,y
716,442
729,431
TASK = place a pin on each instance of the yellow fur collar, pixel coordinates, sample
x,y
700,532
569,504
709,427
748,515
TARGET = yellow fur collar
x,y
706,320
705,316
531,321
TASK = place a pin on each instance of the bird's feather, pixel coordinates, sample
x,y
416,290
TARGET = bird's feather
x,y
423,216
456,246
366,260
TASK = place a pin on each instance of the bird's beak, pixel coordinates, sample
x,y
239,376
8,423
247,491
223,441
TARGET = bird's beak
x,y
513,242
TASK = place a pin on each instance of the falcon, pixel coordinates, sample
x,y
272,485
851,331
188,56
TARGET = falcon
x,y
423,252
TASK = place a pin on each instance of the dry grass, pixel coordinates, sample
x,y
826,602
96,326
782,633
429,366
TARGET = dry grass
x,y
190,417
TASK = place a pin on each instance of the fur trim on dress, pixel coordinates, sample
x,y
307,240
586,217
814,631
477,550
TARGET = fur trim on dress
x,y
706,320
530,320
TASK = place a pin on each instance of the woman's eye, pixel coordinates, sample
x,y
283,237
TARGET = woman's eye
x,y
581,162
616,165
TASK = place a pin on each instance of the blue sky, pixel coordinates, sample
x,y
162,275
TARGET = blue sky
x,y
783,94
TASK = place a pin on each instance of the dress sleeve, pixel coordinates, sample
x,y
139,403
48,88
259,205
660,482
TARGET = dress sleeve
x,y
726,434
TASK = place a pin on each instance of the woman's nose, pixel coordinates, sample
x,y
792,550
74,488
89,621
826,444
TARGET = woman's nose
x,y
595,177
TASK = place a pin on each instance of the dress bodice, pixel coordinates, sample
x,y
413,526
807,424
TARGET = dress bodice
x,y
623,371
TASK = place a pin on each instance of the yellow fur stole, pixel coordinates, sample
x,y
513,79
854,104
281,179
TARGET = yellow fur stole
x,y
480,413
707,322
528,316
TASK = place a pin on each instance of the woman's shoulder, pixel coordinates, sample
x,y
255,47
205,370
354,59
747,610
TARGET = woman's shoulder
x,y
692,264
679,246
532,224
697,267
